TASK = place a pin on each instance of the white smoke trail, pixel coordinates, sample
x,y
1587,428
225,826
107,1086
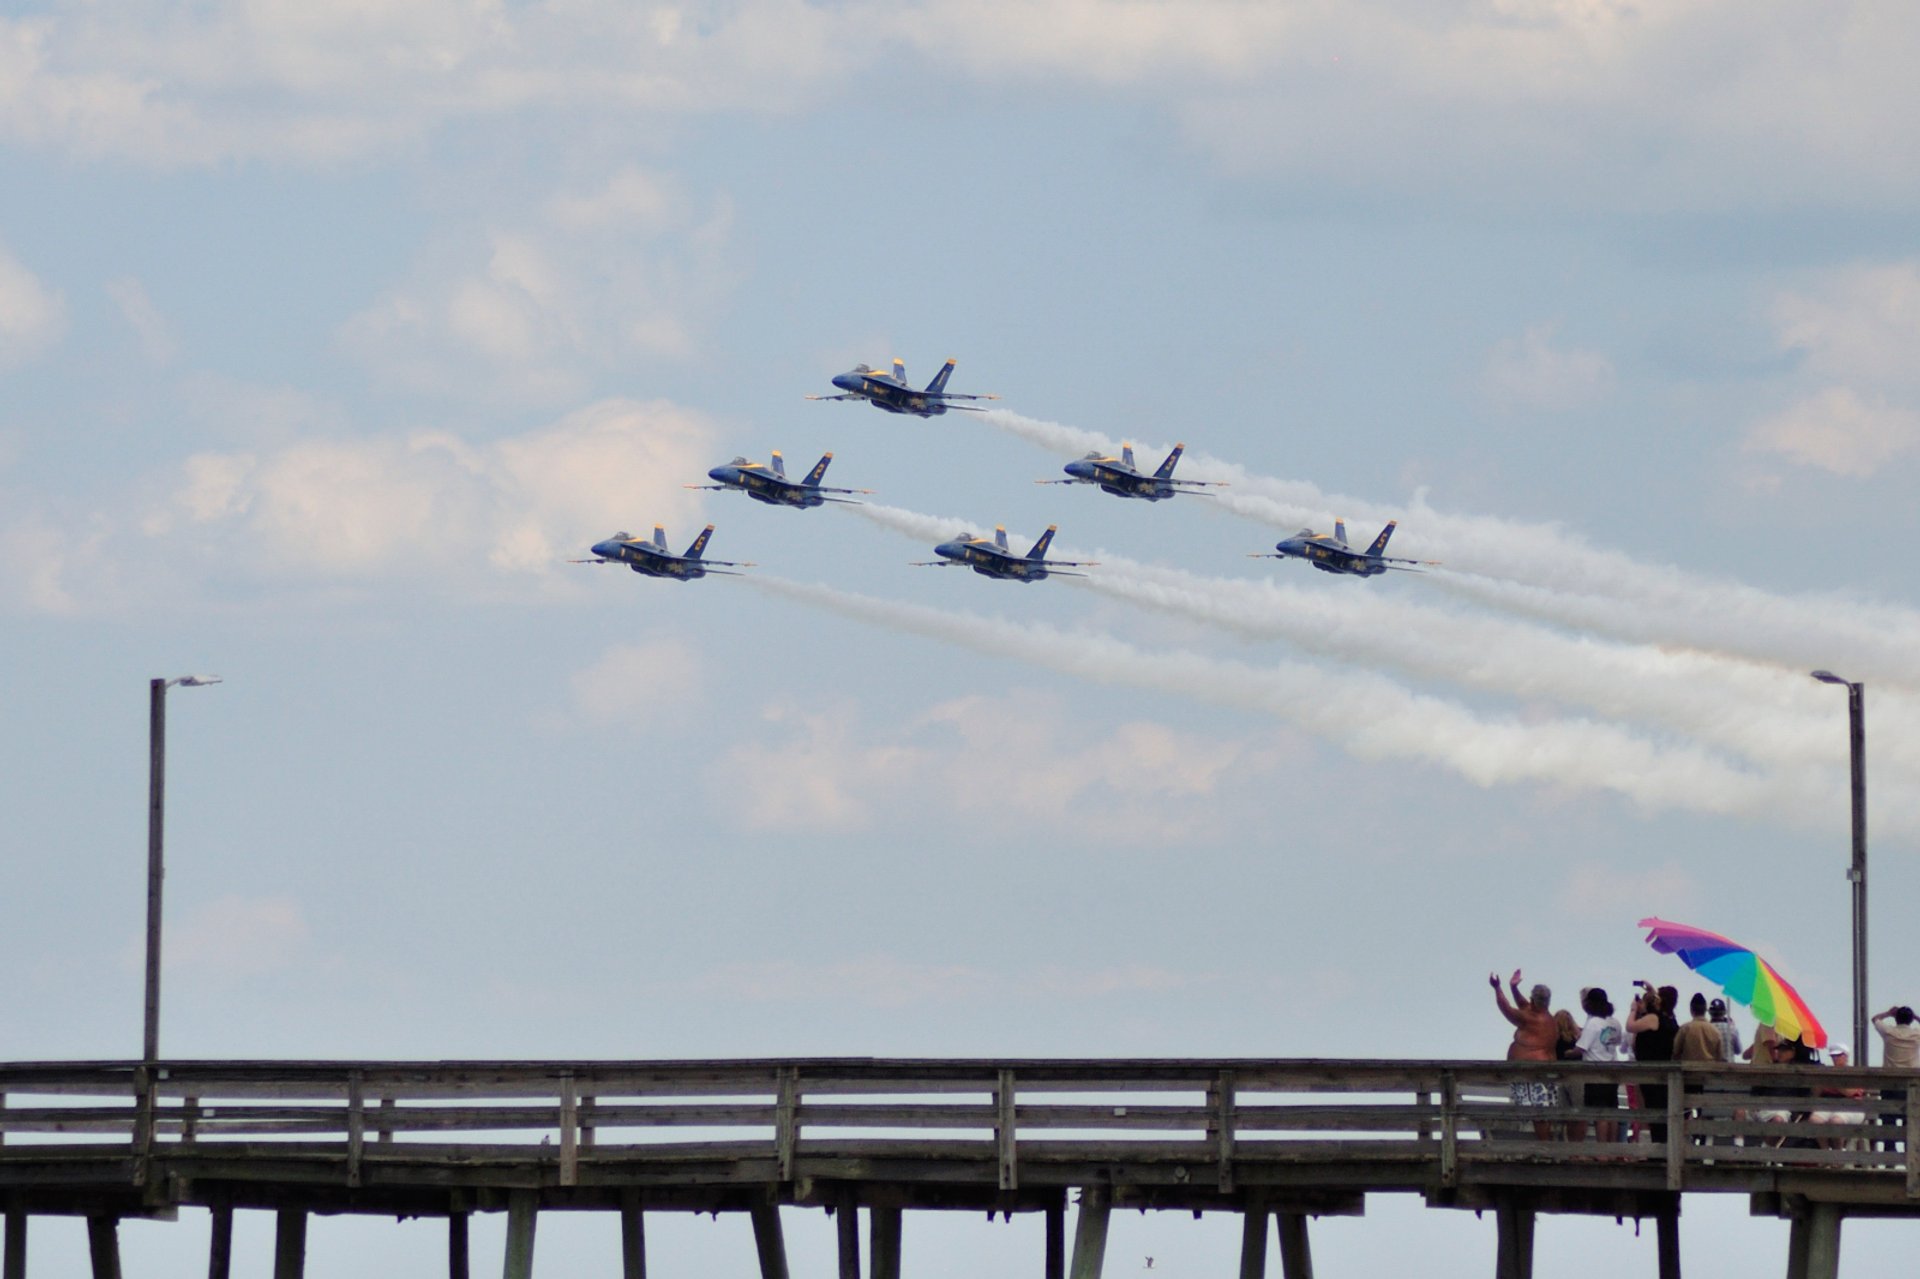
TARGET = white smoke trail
x,y
1370,717
1544,571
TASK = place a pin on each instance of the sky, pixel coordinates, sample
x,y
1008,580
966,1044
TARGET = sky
x,y
330,331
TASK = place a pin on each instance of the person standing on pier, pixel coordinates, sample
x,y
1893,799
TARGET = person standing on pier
x,y
1652,1025
1900,1049
1600,1040
1729,1031
1536,1037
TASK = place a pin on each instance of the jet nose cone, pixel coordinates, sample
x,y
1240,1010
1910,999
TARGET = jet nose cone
x,y
603,549
721,473
1079,470
847,382
948,550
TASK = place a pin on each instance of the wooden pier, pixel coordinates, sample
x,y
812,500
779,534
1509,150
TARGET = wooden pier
x,y
1283,1140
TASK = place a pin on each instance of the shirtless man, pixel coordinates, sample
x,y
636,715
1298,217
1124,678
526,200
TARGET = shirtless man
x,y
1535,1035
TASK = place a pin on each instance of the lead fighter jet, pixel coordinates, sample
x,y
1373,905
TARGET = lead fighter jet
x,y
655,560
996,559
770,484
1120,477
1330,553
890,391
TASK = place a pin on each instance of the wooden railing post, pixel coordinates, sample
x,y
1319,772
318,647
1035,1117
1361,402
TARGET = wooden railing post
x,y
786,1121
586,1122
569,1132
1005,1131
1424,1099
1907,1132
1676,1130
1449,1128
385,1129
1220,1125
356,1125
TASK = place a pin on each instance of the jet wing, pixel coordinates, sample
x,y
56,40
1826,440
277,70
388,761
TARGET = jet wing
x,y
836,397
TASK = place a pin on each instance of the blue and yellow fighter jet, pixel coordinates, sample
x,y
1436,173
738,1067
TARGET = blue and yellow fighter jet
x,y
655,560
996,559
770,484
1120,477
1330,553
890,391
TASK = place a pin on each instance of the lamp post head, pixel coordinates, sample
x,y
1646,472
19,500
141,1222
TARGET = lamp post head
x,y
195,681
1828,677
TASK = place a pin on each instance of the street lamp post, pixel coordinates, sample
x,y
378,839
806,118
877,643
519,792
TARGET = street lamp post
x,y
1857,749
156,862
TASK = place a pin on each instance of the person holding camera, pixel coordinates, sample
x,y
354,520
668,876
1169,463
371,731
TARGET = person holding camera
x,y
1651,1023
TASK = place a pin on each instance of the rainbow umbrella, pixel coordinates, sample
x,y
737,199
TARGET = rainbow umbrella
x,y
1747,978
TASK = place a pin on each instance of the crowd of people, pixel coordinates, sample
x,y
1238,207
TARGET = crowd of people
x,y
1651,1030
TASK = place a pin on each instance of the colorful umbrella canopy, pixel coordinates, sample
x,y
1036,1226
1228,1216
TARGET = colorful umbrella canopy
x,y
1747,978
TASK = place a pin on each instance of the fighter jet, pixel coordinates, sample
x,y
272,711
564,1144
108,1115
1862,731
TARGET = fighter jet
x,y
891,392
1119,476
996,558
1330,553
770,484
655,560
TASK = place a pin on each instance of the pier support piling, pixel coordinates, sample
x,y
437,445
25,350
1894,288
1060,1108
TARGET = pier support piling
x,y
1813,1246
769,1242
1514,1222
220,1242
633,1237
847,1222
15,1264
290,1244
1090,1233
884,1236
459,1260
103,1246
523,1214
1056,1267
1667,1228
1253,1241
1296,1257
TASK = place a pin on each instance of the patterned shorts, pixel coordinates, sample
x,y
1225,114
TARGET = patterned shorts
x,y
1532,1093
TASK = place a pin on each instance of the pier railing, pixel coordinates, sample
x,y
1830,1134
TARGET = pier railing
x,y
1200,1126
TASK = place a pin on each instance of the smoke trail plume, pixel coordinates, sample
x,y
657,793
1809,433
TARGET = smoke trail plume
x,y
1371,717
1544,571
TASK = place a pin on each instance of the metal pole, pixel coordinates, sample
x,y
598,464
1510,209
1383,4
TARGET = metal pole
x,y
156,865
1857,728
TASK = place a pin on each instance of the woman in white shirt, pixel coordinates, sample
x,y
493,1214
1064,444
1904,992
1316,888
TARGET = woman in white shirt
x,y
1600,1040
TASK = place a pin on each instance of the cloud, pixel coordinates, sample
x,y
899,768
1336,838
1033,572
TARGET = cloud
x,y
586,281
32,317
1592,890
158,340
831,770
887,981
234,937
1860,323
1839,432
1530,373
638,685
428,508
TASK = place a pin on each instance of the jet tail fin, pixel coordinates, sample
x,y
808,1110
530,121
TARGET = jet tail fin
x,y
779,465
819,471
699,546
1000,537
1380,543
1173,459
1126,456
660,536
900,370
939,383
1340,532
1039,551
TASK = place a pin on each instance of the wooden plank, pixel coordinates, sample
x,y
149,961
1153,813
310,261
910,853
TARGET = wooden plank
x,y
1006,1134
386,1113
13,1263
523,1216
220,1243
587,1118
786,1132
767,1241
884,1239
290,1244
633,1236
103,1246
